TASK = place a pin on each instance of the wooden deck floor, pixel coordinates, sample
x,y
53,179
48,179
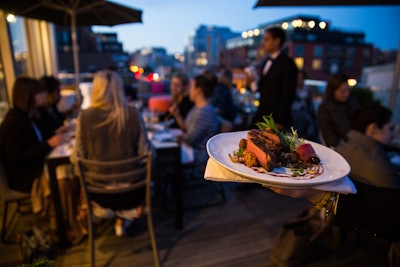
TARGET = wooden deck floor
x,y
240,232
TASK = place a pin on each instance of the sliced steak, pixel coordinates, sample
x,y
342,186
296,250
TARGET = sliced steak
x,y
264,146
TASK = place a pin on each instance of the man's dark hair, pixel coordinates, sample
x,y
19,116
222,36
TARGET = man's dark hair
x,y
206,85
373,113
50,84
278,32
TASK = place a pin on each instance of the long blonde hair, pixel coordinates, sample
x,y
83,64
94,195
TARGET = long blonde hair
x,y
108,94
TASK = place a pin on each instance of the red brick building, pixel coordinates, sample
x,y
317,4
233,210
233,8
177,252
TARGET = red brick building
x,y
317,48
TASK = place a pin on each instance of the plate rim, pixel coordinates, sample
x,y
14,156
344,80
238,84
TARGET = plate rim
x,y
293,183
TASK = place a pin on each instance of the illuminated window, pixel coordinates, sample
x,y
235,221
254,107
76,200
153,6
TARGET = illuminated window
x,y
351,52
318,51
311,37
317,64
349,64
299,62
299,50
366,53
349,39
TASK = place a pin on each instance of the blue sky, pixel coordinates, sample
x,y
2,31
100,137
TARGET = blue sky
x,y
166,23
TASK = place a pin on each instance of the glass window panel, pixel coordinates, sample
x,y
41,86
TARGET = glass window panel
x,y
299,51
19,46
317,64
318,51
3,92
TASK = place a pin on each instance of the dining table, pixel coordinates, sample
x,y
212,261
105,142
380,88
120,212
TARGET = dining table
x,y
168,152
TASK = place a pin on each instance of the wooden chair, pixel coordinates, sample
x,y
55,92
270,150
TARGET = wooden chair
x,y
9,196
136,171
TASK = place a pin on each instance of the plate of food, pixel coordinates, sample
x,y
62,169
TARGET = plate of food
x,y
277,158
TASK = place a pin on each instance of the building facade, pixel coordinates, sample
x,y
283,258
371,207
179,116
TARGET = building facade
x,y
96,50
204,47
315,46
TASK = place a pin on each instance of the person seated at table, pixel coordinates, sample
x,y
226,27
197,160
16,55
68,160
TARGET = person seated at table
x,y
49,114
201,122
373,209
334,113
23,147
180,96
51,121
365,144
303,112
111,130
222,97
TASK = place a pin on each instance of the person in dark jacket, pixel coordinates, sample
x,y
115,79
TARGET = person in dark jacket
x,y
23,146
222,98
335,111
50,118
277,83
373,210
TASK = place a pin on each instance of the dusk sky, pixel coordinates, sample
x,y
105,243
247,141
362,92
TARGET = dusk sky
x,y
167,23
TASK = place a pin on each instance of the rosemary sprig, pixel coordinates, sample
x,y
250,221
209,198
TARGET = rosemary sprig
x,y
291,139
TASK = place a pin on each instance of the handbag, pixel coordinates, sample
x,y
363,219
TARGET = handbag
x,y
296,239
36,244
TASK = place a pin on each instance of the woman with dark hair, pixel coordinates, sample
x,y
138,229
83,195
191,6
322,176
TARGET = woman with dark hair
x,y
180,95
201,123
335,111
23,146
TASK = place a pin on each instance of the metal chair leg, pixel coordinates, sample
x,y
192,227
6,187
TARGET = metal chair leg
x,y
4,223
153,239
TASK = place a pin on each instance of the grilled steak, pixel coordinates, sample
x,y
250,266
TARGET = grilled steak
x,y
265,144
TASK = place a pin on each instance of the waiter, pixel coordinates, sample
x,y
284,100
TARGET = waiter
x,y
277,83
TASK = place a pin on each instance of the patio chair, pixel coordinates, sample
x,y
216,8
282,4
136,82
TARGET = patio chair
x,y
8,197
136,171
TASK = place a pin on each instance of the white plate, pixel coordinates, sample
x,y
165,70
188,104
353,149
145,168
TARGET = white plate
x,y
220,145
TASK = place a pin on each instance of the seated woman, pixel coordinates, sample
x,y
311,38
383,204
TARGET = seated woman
x,y
180,96
111,130
23,146
201,123
334,113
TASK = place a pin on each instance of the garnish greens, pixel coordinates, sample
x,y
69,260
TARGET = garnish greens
x,y
291,139
239,153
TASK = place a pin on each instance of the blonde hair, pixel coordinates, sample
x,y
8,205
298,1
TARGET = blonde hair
x,y
108,94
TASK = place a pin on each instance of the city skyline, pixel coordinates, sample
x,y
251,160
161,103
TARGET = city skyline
x,y
167,23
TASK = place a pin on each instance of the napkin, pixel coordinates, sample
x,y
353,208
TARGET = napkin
x,y
216,172
163,137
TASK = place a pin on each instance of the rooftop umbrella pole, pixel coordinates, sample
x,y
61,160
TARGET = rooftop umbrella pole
x,y
395,82
75,56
